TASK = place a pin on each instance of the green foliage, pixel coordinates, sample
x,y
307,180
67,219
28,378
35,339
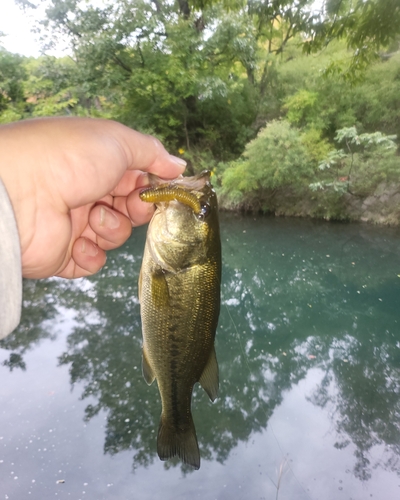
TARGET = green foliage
x,y
196,73
371,105
184,100
45,87
199,160
317,147
302,108
368,26
206,76
364,161
277,158
10,115
50,86
378,98
12,75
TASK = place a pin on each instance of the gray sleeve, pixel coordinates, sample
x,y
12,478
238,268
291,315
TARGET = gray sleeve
x,y
10,267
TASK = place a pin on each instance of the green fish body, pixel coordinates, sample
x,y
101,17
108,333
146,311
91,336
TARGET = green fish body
x,y
179,293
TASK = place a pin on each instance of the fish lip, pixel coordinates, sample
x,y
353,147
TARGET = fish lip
x,y
193,183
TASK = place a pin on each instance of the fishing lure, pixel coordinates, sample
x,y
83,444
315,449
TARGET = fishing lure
x,y
170,193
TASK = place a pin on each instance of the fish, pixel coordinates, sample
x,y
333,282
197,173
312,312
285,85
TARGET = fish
x,y
179,295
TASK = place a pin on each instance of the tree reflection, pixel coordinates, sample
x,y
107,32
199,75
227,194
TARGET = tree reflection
x,y
362,389
340,301
38,313
292,301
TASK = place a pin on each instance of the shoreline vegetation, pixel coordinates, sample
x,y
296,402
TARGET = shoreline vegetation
x,y
295,111
380,208
357,182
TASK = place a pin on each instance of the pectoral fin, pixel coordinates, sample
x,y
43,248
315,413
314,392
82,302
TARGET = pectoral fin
x,y
209,379
159,289
147,370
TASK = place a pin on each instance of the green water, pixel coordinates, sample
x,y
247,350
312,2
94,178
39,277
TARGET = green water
x,y
309,352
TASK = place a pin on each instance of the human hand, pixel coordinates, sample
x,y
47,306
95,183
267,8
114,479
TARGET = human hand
x,y
74,185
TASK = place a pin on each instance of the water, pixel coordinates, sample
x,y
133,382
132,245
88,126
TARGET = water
x,y
309,352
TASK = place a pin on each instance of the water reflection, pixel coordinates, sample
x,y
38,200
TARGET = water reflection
x,y
297,296
38,313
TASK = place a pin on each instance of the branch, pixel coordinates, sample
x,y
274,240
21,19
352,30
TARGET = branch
x,y
121,63
141,54
288,36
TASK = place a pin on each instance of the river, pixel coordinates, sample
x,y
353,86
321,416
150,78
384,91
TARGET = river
x,y
308,346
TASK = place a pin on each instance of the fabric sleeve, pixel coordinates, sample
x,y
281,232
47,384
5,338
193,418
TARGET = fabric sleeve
x,y
10,267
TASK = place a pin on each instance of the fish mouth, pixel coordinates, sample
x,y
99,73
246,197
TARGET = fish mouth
x,y
193,183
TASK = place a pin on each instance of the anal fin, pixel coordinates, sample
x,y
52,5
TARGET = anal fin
x,y
209,379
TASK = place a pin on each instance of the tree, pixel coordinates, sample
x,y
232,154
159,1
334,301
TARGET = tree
x,y
364,161
368,26
206,75
195,73
12,75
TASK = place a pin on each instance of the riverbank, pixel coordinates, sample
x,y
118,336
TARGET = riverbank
x,y
381,207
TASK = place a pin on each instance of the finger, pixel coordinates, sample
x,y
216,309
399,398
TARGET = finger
x,y
131,180
126,201
87,259
111,228
139,211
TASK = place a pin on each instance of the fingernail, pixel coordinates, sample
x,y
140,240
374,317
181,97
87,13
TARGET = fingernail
x,y
179,161
89,248
108,218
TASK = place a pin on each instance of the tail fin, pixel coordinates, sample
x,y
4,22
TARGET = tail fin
x,y
182,442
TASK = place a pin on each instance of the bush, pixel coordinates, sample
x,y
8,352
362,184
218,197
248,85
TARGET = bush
x,y
365,161
279,157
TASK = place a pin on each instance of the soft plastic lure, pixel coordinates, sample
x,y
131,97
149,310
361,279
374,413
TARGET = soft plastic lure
x,y
168,193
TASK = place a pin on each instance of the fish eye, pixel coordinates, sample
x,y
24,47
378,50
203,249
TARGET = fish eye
x,y
204,211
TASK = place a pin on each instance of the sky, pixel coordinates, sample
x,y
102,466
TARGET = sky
x,y
17,25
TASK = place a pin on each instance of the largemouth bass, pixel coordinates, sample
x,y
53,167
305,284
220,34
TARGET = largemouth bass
x,y
179,293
